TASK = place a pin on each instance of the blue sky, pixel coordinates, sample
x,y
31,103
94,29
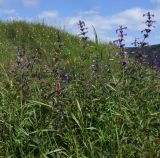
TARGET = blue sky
x,y
104,15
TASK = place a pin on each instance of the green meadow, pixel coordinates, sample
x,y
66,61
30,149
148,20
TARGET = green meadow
x,y
61,97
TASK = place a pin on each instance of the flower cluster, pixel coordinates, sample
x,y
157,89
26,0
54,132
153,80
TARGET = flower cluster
x,y
140,54
149,25
120,41
83,30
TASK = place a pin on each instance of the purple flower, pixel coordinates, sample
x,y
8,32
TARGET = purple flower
x,y
124,63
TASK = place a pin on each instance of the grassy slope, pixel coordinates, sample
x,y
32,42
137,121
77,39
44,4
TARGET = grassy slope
x,y
114,114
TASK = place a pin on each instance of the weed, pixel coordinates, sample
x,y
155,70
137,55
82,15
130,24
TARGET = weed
x,y
120,41
149,24
140,54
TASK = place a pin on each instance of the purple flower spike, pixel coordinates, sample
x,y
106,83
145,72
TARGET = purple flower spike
x,y
124,63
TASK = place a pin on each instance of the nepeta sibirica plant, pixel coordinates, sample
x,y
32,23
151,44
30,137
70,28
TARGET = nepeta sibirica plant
x,y
149,25
83,32
146,32
120,41
20,72
136,42
58,47
95,66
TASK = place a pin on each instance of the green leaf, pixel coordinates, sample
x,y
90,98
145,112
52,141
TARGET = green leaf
x,y
95,35
91,128
76,120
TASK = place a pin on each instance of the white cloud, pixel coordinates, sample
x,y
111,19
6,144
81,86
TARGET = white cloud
x,y
31,3
155,1
9,11
19,18
108,22
104,25
48,15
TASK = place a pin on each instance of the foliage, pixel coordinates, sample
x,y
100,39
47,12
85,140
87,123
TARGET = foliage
x,y
55,104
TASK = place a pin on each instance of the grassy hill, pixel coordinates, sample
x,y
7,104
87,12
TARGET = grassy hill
x,y
61,97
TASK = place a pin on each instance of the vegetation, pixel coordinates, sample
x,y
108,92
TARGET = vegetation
x,y
66,97
151,52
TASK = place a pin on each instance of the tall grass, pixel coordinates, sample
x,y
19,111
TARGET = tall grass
x,y
56,107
